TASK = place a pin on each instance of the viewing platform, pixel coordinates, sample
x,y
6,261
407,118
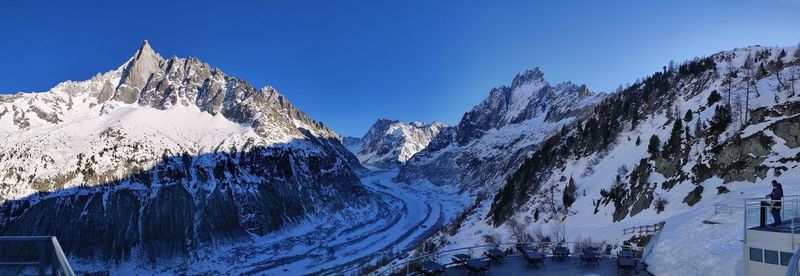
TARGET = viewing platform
x,y
564,258
768,247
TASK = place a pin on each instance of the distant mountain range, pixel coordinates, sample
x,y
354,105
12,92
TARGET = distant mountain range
x,y
389,144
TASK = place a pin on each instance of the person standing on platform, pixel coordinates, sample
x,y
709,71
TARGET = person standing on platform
x,y
775,207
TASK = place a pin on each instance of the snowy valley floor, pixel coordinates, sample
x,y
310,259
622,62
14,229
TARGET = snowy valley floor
x,y
401,217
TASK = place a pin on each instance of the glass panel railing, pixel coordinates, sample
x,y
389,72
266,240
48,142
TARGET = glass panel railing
x,y
758,213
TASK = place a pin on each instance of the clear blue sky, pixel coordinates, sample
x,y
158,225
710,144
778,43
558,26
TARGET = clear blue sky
x,y
348,63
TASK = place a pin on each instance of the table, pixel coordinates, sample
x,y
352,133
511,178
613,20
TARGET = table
x,y
524,247
477,266
495,254
432,268
533,257
560,252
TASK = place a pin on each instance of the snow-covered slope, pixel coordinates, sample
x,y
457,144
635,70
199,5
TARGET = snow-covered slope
x,y
160,157
492,138
388,144
726,125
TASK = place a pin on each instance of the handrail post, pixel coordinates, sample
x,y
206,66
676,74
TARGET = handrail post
x,y
791,224
745,221
62,258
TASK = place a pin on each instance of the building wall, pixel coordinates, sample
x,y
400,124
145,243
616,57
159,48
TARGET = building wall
x,y
764,241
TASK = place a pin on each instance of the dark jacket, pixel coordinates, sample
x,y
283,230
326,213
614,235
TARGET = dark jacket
x,y
777,194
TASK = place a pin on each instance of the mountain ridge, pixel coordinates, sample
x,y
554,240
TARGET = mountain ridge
x,y
511,119
159,138
390,143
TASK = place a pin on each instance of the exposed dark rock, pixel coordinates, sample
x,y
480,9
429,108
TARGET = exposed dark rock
x,y
666,167
788,130
168,220
694,196
740,159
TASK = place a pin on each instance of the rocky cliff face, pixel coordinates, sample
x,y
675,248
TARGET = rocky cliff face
x,y
492,138
389,143
163,156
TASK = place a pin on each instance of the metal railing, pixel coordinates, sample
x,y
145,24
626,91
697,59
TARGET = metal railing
x,y
406,266
644,229
754,208
720,208
648,248
49,252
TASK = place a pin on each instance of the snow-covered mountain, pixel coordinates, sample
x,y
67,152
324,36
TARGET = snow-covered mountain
x,y
668,148
496,135
388,144
160,157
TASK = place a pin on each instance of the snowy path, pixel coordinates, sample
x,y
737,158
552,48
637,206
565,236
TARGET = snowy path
x,y
402,216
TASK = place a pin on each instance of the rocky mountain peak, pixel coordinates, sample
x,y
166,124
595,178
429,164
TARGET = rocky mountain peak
x,y
193,155
146,51
138,71
146,61
529,76
389,143
470,153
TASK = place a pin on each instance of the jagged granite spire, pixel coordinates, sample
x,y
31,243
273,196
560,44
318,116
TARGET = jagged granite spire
x,y
528,76
139,69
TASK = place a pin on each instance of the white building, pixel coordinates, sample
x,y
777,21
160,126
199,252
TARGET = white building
x,y
768,250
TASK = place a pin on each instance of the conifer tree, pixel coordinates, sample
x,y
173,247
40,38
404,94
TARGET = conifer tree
x,y
713,97
686,133
569,193
777,66
699,130
654,145
673,145
721,120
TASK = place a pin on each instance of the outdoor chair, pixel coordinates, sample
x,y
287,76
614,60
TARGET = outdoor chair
x,y
477,266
